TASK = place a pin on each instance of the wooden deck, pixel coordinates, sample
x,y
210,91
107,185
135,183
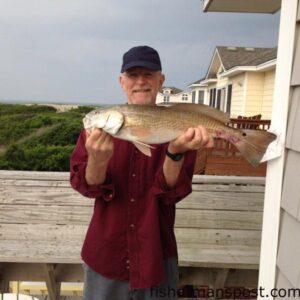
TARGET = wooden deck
x,y
43,223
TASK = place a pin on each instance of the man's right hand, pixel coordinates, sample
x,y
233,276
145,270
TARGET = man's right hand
x,y
100,148
99,145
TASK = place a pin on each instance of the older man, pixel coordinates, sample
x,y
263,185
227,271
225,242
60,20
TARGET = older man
x,y
130,248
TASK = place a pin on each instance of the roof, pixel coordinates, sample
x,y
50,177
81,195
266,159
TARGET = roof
x,y
198,81
173,89
260,6
245,56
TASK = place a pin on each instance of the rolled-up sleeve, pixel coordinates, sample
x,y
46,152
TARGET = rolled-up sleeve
x,y
78,163
183,187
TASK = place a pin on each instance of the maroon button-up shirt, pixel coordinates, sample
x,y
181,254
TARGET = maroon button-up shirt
x,y
132,228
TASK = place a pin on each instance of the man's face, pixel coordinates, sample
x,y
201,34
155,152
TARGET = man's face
x,y
141,85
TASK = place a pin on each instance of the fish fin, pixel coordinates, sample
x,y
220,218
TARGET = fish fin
x,y
144,148
203,109
253,144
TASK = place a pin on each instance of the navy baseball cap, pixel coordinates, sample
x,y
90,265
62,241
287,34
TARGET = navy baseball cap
x,y
141,56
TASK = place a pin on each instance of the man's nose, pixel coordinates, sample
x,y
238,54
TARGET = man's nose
x,y
141,79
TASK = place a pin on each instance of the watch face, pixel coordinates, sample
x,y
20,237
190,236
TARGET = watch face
x,y
175,156
178,156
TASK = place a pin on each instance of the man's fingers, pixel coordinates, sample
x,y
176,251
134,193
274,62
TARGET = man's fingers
x,y
87,134
210,143
205,135
190,134
96,134
201,139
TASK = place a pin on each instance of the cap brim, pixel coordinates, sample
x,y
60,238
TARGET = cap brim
x,y
144,64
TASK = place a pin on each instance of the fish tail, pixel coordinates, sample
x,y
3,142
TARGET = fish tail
x,y
253,144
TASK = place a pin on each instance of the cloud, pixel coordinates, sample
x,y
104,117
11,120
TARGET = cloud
x,y
71,50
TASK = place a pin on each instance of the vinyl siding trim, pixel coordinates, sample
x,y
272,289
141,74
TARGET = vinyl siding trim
x,y
274,177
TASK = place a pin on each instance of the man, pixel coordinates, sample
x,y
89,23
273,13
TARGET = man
x,y
130,248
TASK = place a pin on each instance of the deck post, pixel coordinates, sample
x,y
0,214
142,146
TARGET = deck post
x,y
221,277
4,286
53,286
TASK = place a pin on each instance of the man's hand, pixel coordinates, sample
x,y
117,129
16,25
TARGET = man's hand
x,y
192,139
99,145
100,148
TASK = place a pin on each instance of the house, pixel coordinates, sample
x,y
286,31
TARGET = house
x,y
173,95
199,92
280,255
239,81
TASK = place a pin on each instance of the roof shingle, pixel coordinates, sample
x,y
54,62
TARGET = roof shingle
x,y
243,56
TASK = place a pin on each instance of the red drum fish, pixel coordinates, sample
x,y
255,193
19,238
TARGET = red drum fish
x,y
145,125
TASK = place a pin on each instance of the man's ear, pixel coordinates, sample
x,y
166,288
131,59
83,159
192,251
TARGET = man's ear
x,y
162,79
121,81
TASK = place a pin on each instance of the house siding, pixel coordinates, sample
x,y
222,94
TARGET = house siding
x,y
267,102
173,98
237,100
260,90
288,258
255,88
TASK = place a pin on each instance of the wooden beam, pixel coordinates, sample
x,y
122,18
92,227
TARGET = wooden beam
x,y
4,283
53,286
220,280
4,286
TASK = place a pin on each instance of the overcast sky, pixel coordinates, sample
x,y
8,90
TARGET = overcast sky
x,y
70,51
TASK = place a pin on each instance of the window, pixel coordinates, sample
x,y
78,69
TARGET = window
x,y
229,94
193,96
212,97
166,98
218,102
200,97
185,97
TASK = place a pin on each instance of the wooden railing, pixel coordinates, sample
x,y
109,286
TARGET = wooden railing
x,y
250,123
43,223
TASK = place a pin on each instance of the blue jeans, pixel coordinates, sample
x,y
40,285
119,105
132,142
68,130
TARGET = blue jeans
x,y
98,287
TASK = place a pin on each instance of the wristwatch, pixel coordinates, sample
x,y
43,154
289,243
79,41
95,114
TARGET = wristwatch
x,y
174,156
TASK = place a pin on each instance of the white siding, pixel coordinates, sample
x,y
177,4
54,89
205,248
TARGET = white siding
x,y
275,172
291,187
173,98
288,252
288,259
296,66
293,134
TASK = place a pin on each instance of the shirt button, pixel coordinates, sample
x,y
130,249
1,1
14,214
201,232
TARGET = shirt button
x,y
127,261
132,199
127,267
132,225
133,175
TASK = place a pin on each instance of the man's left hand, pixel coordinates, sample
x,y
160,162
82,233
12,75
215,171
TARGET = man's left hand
x,y
193,139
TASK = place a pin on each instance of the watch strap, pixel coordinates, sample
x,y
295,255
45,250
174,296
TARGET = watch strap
x,y
174,156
